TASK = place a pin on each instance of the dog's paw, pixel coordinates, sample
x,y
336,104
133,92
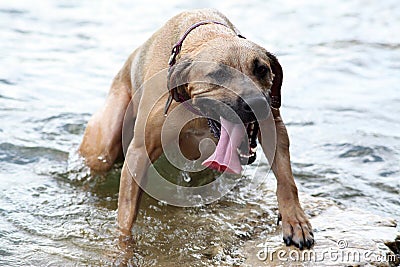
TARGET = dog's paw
x,y
297,230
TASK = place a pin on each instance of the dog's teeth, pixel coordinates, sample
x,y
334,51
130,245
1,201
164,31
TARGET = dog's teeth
x,y
252,127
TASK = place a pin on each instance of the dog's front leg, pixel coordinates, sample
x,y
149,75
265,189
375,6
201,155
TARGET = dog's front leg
x,y
296,228
133,172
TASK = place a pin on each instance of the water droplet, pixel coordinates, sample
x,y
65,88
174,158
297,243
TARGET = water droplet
x,y
186,177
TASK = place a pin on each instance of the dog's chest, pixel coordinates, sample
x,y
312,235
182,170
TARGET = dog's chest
x,y
196,140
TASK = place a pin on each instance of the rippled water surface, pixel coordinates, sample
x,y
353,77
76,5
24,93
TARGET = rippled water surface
x,y
341,102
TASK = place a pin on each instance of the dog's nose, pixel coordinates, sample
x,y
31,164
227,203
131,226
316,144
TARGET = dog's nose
x,y
254,108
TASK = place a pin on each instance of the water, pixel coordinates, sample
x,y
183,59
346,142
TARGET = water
x,y
341,102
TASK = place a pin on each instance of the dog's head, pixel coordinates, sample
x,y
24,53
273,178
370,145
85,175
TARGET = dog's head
x,y
231,81
233,72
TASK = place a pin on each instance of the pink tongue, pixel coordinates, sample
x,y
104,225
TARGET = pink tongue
x,y
225,156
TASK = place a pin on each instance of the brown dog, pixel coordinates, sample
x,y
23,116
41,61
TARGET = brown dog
x,y
198,36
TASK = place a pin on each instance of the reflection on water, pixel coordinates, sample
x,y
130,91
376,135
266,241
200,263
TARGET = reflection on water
x,y
341,102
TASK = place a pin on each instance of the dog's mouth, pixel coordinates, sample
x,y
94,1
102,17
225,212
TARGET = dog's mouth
x,y
236,146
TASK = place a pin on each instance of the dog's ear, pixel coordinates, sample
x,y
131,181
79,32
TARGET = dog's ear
x,y
277,81
178,78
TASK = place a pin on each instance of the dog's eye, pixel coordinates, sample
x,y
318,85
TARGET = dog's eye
x,y
261,71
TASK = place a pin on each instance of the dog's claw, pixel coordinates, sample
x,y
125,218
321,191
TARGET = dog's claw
x,y
287,240
299,245
309,242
